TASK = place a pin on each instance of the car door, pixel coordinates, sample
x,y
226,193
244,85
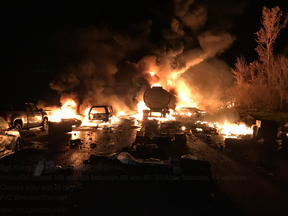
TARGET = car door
x,y
98,113
110,111
37,116
30,116
7,141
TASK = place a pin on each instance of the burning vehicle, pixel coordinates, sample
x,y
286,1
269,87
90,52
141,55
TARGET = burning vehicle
x,y
154,130
100,114
63,119
154,106
189,112
156,99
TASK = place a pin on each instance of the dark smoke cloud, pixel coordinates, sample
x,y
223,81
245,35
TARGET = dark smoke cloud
x,y
109,64
95,56
181,7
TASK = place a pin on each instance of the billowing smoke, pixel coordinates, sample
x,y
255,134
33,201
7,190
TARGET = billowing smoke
x,y
177,41
95,59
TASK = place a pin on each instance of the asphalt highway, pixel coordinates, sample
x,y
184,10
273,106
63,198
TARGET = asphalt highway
x,y
87,178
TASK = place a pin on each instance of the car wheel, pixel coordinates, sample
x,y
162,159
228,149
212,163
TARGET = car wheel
x,y
17,145
44,125
18,127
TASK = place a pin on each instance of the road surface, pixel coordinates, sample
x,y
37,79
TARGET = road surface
x,y
103,185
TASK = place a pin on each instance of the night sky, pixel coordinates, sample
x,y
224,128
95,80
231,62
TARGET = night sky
x,y
40,39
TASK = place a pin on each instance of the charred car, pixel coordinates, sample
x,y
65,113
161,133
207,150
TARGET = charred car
x,y
100,114
189,112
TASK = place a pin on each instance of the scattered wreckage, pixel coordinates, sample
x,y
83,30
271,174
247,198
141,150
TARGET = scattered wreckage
x,y
96,115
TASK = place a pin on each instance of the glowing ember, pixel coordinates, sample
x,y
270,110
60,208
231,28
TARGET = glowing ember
x,y
204,122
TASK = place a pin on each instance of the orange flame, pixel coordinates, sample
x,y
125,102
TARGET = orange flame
x,y
234,130
68,110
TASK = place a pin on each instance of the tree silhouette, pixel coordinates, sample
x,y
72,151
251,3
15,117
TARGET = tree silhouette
x,y
263,82
273,21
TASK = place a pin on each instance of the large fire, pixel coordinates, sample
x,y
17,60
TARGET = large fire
x,y
67,111
232,130
184,98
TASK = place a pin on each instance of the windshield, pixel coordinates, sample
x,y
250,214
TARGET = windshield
x,y
95,110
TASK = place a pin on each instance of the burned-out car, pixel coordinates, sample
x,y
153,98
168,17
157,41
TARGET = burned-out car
x,y
193,112
100,114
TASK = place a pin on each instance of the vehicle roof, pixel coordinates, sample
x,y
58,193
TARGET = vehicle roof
x,y
101,106
190,108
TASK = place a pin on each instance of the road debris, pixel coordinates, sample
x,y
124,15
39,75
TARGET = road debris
x,y
39,168
93,145
66,167
75,142
189,156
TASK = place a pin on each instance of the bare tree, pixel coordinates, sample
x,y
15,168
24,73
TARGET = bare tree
x,y
261,84
240,71
280,79
273,21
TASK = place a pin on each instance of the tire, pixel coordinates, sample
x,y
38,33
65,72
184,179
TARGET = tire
x,y
17,146
18,127
44,125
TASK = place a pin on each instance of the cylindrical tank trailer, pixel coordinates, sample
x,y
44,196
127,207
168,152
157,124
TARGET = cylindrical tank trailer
x,y
157,100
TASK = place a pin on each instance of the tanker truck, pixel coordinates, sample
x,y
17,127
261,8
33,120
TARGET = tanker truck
x,y
157,100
